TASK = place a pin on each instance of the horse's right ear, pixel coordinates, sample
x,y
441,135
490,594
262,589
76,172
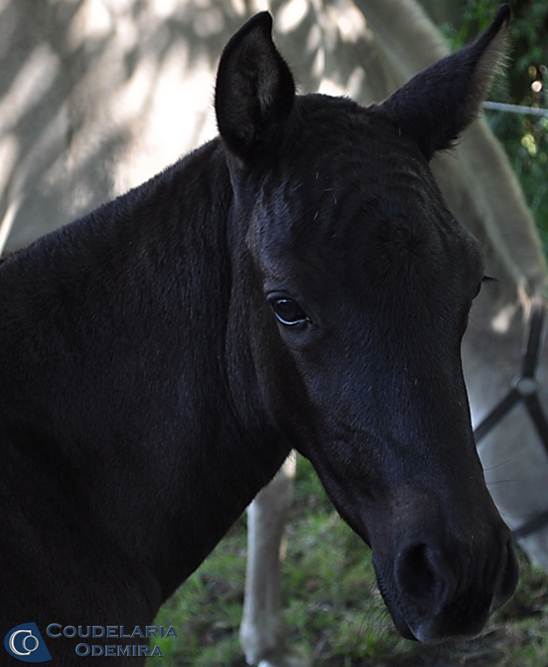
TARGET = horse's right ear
x,y
255,90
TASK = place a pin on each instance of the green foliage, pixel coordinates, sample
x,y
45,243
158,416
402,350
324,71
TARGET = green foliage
x,y
206,613
333,612
525,138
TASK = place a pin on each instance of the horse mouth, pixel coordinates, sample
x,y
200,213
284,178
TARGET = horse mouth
x,y
397,617
403,628
464,618
427,632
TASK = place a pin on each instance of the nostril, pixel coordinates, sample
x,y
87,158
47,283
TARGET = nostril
x,y
415,573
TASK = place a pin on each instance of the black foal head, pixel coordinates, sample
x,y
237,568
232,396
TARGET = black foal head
x,y
356,283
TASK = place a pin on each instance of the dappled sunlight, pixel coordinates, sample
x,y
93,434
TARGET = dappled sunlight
x,y
209,22
97,21
8,157
351,23
330,87
141,73
32,80
238,7
291,14
502,320
352,86
166,8
7,222
259,6
125,85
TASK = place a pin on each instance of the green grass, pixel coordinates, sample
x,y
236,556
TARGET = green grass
x,y
332,610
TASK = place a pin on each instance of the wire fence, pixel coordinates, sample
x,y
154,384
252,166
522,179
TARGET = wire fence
x,y
515,108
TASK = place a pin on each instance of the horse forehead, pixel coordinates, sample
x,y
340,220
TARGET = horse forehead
x,y
364,154
336,178
366,228
399,208
352,189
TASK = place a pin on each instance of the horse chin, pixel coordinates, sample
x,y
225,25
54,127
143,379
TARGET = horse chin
x,y
437,630
429,632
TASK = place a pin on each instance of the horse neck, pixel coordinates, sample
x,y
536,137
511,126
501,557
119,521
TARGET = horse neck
x,y
119,353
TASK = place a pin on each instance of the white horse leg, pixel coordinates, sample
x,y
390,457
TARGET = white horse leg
x,y
261,631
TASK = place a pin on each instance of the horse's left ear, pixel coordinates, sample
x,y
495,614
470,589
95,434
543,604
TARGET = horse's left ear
x,y
438,103
254,91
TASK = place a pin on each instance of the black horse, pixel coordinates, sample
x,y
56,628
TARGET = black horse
x,y
296,283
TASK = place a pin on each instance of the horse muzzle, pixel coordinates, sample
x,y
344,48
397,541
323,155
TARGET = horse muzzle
x,y
442,591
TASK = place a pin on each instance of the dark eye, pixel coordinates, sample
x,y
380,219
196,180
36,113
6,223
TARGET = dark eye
x,y
288,312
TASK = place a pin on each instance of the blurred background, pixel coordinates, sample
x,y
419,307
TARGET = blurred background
x,y
96,96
